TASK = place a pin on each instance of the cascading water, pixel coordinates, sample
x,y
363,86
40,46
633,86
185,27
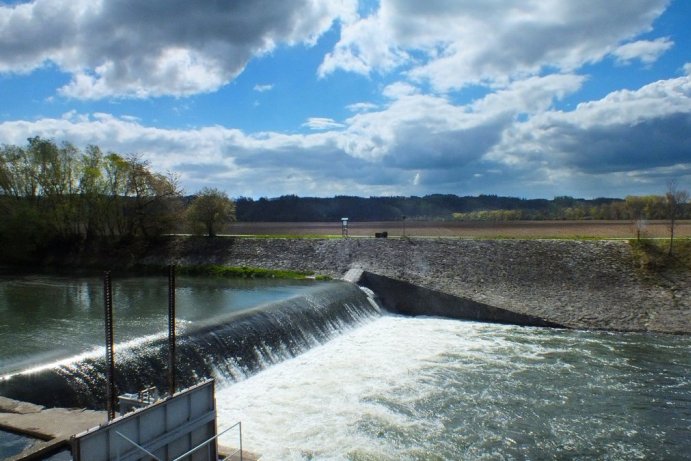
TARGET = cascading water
x,y
230,347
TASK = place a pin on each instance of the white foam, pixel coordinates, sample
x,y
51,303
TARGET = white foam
x,y
428,388
315,405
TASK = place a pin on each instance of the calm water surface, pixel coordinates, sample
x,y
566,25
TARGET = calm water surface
x,y
48,318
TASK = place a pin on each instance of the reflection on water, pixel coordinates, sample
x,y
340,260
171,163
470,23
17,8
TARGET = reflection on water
x,y
46,318
424,388
12,444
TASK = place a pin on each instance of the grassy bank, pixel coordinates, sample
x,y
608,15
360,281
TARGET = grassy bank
x,y
653,255
215,270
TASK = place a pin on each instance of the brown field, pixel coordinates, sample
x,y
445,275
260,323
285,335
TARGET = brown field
x,y
508,229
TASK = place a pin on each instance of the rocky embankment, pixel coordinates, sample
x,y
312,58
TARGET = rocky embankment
x,y
579,284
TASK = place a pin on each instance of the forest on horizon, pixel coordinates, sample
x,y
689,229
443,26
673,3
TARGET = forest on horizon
x,y
447,207
58,196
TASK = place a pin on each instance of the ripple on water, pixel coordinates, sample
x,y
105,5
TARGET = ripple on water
x,y
424,388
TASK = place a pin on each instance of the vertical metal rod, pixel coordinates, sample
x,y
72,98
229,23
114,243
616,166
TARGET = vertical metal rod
x,y
171,329
110,353
240,429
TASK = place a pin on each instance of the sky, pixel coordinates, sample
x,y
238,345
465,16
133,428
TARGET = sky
x,y
262,98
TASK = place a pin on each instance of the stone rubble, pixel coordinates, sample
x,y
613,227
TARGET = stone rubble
x,y
578,283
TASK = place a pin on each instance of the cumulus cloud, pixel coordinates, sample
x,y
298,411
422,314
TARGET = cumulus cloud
x,y
647,51
399,90
159,47
624,132
364,47
453,44
425,142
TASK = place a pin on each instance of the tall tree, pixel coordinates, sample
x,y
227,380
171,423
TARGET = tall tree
x,y
211,208
675,200
153,199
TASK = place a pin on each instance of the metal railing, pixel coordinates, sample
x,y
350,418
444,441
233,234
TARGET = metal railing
x,y
195,449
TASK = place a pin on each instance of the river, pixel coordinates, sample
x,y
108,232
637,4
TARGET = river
x,y
384,387
434,389
46,318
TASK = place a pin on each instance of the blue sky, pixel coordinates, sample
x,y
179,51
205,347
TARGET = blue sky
x,y
317,98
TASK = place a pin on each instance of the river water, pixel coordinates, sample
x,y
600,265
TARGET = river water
x,y
435,389
389,387
44,319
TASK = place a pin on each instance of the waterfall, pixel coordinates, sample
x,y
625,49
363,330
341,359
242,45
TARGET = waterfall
x,y
228,348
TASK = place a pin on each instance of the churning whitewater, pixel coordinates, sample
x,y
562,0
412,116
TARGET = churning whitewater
x,y
426,388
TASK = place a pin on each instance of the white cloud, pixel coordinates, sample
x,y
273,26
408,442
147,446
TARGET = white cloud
x,y
321,123
399,90
647,51
531,95
364,46
687,68
423,141
362,107
626,131
263,88
453,44
137,49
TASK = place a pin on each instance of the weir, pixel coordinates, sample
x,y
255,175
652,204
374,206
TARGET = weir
x,y
399,297
229,347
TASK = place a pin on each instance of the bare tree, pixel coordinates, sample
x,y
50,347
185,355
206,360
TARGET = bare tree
x,y
675,199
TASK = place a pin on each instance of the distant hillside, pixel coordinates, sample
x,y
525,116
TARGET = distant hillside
x,y
291,208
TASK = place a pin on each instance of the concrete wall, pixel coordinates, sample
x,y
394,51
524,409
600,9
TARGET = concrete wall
x,y
405,298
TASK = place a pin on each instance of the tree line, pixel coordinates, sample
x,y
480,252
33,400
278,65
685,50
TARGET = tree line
x,y
291,208
632,208
57,195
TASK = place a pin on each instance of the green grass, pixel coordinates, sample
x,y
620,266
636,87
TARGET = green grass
x,y
242,272
539,237
288,236
653,254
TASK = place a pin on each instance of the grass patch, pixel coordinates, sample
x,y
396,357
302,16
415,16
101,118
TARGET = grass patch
x,y
243,272
289,236
653,255
540,237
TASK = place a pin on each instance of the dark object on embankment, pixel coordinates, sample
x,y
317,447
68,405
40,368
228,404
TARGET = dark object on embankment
x,y
405,298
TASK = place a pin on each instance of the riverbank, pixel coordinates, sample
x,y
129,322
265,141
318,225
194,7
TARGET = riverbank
x,y
587,284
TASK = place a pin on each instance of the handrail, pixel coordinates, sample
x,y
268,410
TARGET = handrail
x,y
138,446
206,442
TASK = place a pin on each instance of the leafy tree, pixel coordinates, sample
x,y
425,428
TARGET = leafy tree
x,y
53,194
211,208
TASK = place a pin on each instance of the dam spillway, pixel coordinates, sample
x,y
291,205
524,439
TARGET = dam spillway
x,y
229,346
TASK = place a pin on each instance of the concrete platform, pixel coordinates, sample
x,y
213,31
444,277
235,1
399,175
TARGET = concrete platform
x,y
53,427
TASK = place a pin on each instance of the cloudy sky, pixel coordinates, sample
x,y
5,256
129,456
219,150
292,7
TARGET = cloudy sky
x,y
530,98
